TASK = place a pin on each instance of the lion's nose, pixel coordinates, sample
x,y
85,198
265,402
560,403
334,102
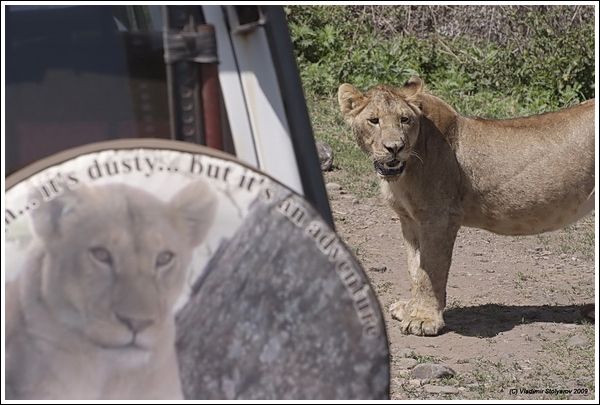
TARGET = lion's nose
x,y
394,146
136,325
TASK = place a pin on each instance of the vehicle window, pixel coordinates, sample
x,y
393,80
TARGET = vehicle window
x,y
81,74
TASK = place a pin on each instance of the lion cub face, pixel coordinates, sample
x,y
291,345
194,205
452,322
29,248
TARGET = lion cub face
x,y
385,121
116,258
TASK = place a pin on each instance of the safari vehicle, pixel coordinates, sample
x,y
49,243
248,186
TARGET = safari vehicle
x,y
82,74
168,233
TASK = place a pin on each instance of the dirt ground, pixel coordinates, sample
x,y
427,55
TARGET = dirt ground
x,y
513,323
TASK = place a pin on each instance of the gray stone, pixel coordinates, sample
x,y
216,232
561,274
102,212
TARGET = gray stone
x,y
406,352
325,156
406,363
577,341
440,389
333,187
431,371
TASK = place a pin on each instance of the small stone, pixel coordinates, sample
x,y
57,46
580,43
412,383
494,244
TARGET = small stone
x,y
440,389
325,156
333,187
577,341
406,363
427,371
355,201
406,352
380,269
414,382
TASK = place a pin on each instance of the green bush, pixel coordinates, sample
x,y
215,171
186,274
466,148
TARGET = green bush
x,y
537,68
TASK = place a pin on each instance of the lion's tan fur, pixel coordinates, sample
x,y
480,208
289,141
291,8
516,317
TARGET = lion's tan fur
x,y
514,177
66,334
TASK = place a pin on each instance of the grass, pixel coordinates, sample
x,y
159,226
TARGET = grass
x,y
353,169
564,368
577,239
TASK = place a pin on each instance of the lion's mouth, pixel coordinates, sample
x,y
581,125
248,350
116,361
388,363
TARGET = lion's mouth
x,y
132,345
390,168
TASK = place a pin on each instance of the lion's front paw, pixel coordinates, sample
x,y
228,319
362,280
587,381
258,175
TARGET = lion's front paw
x,y
397,309
417,320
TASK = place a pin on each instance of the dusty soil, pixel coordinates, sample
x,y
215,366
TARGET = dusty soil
x,y
513,323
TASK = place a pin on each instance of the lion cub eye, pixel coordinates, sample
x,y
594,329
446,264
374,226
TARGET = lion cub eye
x,y
404,120
373,121
164,258
102,255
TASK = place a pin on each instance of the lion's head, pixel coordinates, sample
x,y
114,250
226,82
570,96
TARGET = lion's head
x,y
385,121
115,260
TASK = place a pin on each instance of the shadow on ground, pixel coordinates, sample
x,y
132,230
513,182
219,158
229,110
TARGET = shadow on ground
x,y
491,319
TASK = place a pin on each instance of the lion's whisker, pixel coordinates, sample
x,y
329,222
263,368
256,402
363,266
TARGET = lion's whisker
x,y
415,154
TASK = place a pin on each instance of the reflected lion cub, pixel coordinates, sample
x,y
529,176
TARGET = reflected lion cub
x,y
91,315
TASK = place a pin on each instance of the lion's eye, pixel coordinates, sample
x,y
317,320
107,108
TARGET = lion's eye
x,y
404,120
164,258
373,121
102,255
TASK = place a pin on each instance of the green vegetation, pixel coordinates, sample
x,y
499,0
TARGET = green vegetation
x,y
490,61
577,239
544,60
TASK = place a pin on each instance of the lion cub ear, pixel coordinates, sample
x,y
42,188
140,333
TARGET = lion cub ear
x,y
47,218
196,206
348,98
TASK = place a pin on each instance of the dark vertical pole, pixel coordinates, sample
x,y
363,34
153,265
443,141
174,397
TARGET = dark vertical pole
x,y
183,77
294,102
210,94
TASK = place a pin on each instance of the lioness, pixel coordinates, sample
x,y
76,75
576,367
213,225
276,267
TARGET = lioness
x,y
91,315
439,170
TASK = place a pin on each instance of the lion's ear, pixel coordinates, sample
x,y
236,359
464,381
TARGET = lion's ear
x,y
196,205
348,98
47,218
413,86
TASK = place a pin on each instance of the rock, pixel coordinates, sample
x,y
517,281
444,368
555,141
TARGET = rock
x,y
380,269
355,201
325,156
577,341
406,363
333,187
440,389
430,371
414,383
406,352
